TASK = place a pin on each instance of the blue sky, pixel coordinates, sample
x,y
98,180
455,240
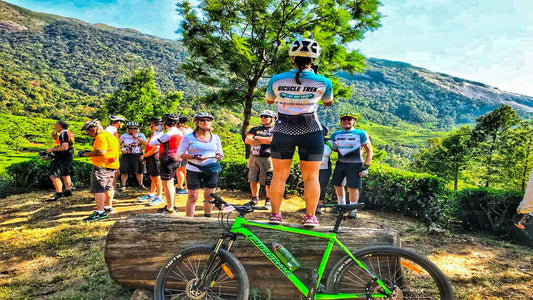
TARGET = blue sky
x,y
489,41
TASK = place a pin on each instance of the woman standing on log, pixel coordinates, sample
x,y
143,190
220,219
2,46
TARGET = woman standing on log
x,y
203,150
298,93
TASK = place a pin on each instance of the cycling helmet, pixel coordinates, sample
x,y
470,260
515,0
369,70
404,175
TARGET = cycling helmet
x,y
305,48
203,115
91,124
170,119
155,120
183,119
349,115
116,118
133,124
268,113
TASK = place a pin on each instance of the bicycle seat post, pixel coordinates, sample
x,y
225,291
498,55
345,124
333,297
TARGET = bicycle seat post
x,y
340,217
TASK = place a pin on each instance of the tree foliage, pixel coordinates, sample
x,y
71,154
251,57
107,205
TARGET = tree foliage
x,y
233,44
138,99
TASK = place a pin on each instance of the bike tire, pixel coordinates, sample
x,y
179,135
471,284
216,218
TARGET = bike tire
x,y
409,275
177,277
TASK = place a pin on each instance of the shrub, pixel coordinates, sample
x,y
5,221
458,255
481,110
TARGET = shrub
x,y
33,174
487,209
413,194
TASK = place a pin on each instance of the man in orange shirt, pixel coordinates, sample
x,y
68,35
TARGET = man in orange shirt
x,y
104,158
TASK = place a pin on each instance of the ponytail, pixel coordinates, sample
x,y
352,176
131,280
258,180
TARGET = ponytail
x,y
301,62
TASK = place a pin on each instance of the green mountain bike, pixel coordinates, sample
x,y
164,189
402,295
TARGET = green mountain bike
x,y
381,272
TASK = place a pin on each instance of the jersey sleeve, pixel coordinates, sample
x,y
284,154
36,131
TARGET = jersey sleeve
x,y
184,145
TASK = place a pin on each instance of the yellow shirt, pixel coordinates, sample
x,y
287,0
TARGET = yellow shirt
x,y
106,141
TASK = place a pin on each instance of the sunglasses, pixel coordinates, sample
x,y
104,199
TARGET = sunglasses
x,y
133,128
204,120
266,117
346,119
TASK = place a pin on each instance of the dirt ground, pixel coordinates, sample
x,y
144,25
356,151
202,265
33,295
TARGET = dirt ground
x,y
40,240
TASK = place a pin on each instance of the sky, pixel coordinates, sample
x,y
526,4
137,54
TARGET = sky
x,y
489,41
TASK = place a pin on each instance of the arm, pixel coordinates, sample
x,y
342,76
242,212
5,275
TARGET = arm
x,y
62,147
151,152
156,139
255,140
142,139
369,153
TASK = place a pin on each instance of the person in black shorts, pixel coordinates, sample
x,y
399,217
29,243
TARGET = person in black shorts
x,y
132,143
61,165
350,143
298,93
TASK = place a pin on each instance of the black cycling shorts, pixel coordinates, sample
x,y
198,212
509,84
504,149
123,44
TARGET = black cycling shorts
x,y
199,180
310,146
350,171
61,166
131,164
152,166
168,168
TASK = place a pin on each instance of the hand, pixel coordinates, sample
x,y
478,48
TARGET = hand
x,y
218,156
82,153
198,157
141,158
54,135
364,170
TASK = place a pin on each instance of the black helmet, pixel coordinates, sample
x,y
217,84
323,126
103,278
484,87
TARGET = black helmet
x,y
203,115
183,119
155,120
170,119
115,118
91,124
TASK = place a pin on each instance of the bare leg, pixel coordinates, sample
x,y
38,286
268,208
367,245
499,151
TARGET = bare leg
x,y
191,203
353,195
208,207
58,185
282,169
310,171
254,187
170,192
68,182
109,194
139,179
124,179
100,199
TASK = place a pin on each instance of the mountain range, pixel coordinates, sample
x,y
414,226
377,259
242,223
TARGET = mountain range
x,y
63,67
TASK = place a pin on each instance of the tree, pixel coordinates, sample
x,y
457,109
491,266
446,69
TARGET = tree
x,y
138,99
486,138
233,44
446,157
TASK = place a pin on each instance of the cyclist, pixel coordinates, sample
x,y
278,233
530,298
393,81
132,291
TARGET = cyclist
x,y
104,158
61,165
260,162
151,158
349,142
132,143
203,150
298,93
180,176
115,123
524,211
169,159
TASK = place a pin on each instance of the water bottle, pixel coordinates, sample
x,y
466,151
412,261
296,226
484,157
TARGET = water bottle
x,y
285,256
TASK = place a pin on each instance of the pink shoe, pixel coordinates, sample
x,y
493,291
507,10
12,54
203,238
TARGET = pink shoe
x,y
310,221
275,218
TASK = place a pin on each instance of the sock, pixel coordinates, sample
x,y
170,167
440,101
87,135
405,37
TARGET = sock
x,y
341,200
107,207
100,211
151,195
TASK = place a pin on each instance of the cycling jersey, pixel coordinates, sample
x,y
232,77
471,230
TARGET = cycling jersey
x,y
297,103
131,144
294,98
105,141
113,130
349,144
65,137
262,150
169,142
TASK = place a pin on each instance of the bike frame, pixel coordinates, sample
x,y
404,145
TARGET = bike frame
x,y
238,228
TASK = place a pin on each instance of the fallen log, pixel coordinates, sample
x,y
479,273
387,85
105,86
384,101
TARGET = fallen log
x,y
137,247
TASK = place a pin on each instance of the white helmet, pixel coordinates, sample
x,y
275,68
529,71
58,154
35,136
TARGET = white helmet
x,y
305,48
269,113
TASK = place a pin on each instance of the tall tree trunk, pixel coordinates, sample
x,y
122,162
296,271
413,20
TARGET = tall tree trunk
x,y
247,113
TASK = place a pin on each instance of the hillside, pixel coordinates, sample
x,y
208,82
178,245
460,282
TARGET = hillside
x,y
58,66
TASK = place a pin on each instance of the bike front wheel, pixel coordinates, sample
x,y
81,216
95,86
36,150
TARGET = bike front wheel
x,y
406,274
191,275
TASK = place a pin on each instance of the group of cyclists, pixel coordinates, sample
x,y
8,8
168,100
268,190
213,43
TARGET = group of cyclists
x,y
173,146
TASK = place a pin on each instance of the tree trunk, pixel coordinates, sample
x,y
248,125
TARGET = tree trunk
x,y
137,247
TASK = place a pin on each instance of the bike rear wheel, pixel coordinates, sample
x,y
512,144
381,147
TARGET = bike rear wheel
x,y
407,274
181,277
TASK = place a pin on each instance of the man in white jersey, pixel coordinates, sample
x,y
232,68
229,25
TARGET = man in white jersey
x,y
350,142
524,211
